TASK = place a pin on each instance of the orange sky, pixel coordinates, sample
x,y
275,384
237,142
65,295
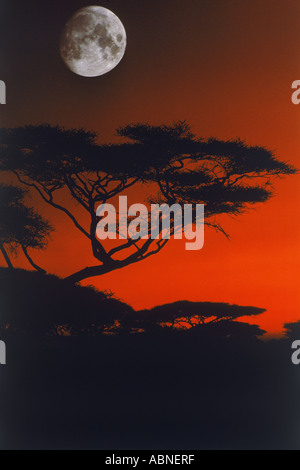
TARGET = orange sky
x,y
226,67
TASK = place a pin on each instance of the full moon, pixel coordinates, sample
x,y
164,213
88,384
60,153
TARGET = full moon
x,y
93,42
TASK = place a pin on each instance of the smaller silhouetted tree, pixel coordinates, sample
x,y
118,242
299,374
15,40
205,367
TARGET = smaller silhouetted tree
x,y
183,316
20,226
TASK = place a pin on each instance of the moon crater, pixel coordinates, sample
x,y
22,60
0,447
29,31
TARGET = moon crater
x,y
93,42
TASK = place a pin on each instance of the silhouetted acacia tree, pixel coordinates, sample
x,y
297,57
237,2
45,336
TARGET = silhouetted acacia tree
x,y
227,176
20,226
183,315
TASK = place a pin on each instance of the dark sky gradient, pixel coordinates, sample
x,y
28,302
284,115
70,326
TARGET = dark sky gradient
x,y
226,66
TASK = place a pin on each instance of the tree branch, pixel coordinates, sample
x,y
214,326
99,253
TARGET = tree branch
x,y
50,201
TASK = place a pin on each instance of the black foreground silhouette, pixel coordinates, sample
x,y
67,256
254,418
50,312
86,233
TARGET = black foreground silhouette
x,y
87,377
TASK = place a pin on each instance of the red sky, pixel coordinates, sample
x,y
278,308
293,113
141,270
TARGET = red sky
x,y
227,68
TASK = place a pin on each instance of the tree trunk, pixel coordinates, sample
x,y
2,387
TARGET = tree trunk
x,y
6,257
94,271
33,264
